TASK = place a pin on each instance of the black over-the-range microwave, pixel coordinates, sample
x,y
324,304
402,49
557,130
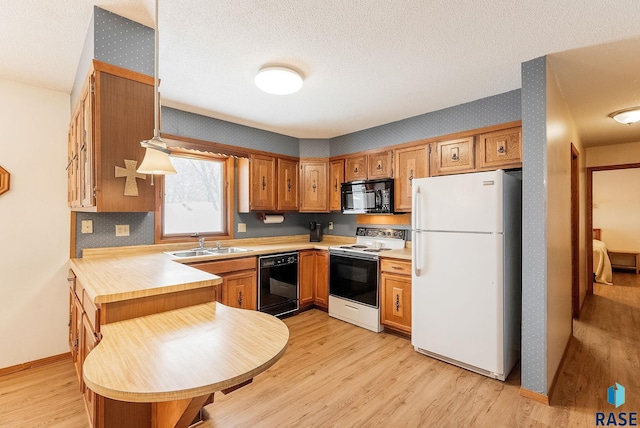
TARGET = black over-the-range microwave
x,y
368,197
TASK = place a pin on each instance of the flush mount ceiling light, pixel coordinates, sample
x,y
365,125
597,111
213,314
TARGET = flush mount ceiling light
x,y
156,156
626,116
278,80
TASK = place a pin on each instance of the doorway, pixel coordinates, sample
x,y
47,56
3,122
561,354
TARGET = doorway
x,y
589,243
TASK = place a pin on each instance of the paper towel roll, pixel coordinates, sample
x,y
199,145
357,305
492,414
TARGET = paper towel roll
x,y
273,218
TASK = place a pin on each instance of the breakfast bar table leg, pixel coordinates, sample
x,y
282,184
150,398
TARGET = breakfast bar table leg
x,y
176,414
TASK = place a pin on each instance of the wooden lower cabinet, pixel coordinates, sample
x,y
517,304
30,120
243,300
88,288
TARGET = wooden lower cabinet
x,y
313,278
239,281
395,301
89,341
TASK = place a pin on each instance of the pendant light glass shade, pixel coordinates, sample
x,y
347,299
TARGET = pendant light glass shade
x,y
156,159
627,116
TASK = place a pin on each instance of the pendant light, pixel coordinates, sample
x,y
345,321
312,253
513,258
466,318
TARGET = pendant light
x,y
156,157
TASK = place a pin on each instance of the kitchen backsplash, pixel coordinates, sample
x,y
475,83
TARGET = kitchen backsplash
x,y
141,230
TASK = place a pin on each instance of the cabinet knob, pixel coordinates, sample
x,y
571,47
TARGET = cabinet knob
x,y
314,186
411,177
379,166
501,150
288,185
264,182
240,298
355,170
397,302
335,186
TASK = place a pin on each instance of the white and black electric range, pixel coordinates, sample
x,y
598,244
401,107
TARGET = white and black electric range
x,y
353,276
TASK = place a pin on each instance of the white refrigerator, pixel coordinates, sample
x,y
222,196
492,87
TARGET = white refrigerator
x,y
466,288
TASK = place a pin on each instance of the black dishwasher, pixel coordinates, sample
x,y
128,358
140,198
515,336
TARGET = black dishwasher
x,y
278,283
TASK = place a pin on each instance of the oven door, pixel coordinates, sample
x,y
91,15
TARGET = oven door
x,y
354,278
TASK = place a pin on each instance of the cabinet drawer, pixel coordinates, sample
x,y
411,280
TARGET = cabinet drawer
x,y
229,265
401,267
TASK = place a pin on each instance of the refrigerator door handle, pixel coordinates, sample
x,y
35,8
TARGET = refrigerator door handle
x,y
416,253
416,212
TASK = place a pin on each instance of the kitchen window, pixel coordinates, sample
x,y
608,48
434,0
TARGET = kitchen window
x,y
197,201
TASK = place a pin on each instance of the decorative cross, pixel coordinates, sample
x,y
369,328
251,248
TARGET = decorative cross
x,y
129,171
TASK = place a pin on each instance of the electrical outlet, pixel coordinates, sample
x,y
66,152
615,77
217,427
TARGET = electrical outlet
x,y
330,225
242,227
87,226
122,230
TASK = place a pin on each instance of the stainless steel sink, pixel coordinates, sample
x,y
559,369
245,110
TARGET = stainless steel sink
x,y
205,252
227,250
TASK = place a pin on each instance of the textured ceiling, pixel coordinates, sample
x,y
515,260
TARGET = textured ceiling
x,y
365,63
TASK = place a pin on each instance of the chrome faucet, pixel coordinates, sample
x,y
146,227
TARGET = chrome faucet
x,y
217,245
201,241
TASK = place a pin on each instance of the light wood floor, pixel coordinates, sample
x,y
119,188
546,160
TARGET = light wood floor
x,y
335,374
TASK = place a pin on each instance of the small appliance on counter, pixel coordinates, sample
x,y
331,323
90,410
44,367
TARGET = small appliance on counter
x,y
315,232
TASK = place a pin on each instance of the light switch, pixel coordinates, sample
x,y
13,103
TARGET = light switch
x,y
242,227
87,226
122,230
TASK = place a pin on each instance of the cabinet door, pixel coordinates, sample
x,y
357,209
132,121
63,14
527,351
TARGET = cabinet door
x,y
240,290
500,149
263,183
73,178
410,163
379,165
287,185
396,301
455,156
314,196
336,178
76,335
88,343
86,147
322,279
355,168
306,276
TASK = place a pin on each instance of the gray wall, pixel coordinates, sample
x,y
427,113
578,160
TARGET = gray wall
x,y
476,114
534,213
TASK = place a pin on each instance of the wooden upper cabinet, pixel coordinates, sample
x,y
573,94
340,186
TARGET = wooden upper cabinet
x,y
287,185
114,113
336,178
355,168
314,186
379,164
410,163
262,179
455,156
500,149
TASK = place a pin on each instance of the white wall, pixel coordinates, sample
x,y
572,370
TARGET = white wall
x,y
615,154
616,204
561,132
34,224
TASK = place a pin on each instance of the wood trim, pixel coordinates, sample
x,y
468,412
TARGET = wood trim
x,y
589,214
122,72
176,141
453,136
575,233
72,235
35,364
535,396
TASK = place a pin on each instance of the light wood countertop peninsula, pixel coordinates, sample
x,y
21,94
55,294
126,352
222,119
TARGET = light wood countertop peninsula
x,y
183,353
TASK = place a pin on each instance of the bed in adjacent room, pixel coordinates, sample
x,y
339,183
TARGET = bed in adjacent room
x,y
601,263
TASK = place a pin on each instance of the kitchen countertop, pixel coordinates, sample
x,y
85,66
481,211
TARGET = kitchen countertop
x,y
183,353
123,273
